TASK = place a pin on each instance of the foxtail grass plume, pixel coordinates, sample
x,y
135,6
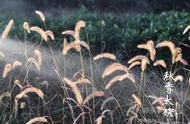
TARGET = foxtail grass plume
x,y
72,45
105,55
5,94
7,69
150,47
75,89
135,63
37,120
92,95
40,31
160,62
186,29
136,58
30,89
137,100
26,26
178,78
7,29
112,68
50,34
41,15
76,33
37,59
119,78
82,81
171,46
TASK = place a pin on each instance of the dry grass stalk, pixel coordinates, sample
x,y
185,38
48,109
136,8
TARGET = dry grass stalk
x,y
40,31
150,47
134,64
105,55
83,81
106,101
41,15
50,34
38,120
7,69
136,58
7,29
30,89
75,89
137,100
26,26
112,68
92,95
160,62
178,78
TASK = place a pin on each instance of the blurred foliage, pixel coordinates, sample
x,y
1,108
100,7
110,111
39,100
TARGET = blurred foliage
x,y
112,33
116,5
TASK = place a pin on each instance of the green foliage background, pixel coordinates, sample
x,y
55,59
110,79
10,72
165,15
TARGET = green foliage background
x,y
110,32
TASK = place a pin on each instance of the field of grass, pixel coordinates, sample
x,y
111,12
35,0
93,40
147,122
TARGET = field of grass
x,y
72,85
